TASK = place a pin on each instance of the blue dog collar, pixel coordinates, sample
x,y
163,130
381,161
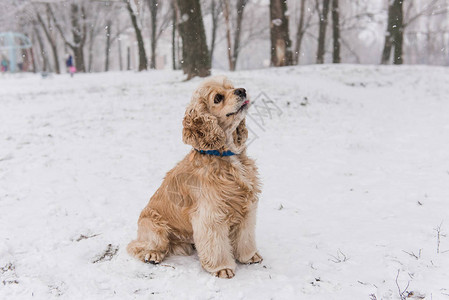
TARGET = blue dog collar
x,y
216,152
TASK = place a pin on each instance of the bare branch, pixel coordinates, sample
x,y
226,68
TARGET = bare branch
x,y
421,13
412,254
438,230
341,257
58,27
402,294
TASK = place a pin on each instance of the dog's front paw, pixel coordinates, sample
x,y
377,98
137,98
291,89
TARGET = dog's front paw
x,y
255,259
154,257
224,273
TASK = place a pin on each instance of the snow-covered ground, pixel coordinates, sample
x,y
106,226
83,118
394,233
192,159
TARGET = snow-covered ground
x,y
354,162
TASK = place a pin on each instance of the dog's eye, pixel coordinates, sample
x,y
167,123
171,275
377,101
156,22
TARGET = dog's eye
x,y
218,98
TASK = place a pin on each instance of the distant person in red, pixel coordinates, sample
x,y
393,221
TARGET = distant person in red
x,y
70,67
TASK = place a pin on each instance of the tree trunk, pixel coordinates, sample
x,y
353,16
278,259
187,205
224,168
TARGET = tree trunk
x,y
90,49
281,52
51,41
394,33
119,47
388,37
33,61
299,33
179,50
153,6
240,8
195,55
79,32
142,55
215,12
228,32
322,14
26,59
120,60
79,36
173,35
108,45
128,59
43,52
336,32
398,32
78,53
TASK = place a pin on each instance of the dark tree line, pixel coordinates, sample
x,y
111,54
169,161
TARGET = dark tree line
x,y
72,28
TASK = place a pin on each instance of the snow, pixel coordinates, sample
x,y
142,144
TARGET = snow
x,y
355,168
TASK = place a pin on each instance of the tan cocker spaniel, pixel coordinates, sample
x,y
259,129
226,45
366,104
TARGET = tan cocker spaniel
x,y
209,200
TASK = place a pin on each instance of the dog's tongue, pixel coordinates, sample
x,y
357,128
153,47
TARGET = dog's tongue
x,y
246,102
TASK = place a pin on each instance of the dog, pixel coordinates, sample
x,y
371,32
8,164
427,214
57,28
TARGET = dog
x,y
208,201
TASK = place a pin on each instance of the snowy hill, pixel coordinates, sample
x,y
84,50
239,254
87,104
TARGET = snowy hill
x,y
354,162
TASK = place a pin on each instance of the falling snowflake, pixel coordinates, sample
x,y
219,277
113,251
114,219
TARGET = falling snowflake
x,y
277,22
184,18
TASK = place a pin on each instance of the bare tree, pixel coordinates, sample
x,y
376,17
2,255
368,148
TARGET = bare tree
x,y
281,49
109,16
95,29
153,5
79,32
216,8
238,29
88,28
336,32
174,10
128,58
108,44
33,60
304,23
45,63
394,35
322,15
143,65
433,8
161,17
228,31
51,40
195,55
233,52
119,48
300,32
398,21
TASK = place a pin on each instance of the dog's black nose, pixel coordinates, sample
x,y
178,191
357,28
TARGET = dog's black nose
x,y
240,92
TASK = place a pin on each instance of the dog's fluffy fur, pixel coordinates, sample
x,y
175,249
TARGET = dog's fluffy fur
x,y
206,202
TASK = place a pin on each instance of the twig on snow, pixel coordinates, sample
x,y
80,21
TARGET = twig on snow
x,y
108,254
438,230
85,237
341,257
413,254
402,294
168,266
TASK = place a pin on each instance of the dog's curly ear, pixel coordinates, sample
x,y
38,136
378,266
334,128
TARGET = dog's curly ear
x,y
201,130
240,135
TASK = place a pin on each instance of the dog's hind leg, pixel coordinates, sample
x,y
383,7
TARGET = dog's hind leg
x,y
152,243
